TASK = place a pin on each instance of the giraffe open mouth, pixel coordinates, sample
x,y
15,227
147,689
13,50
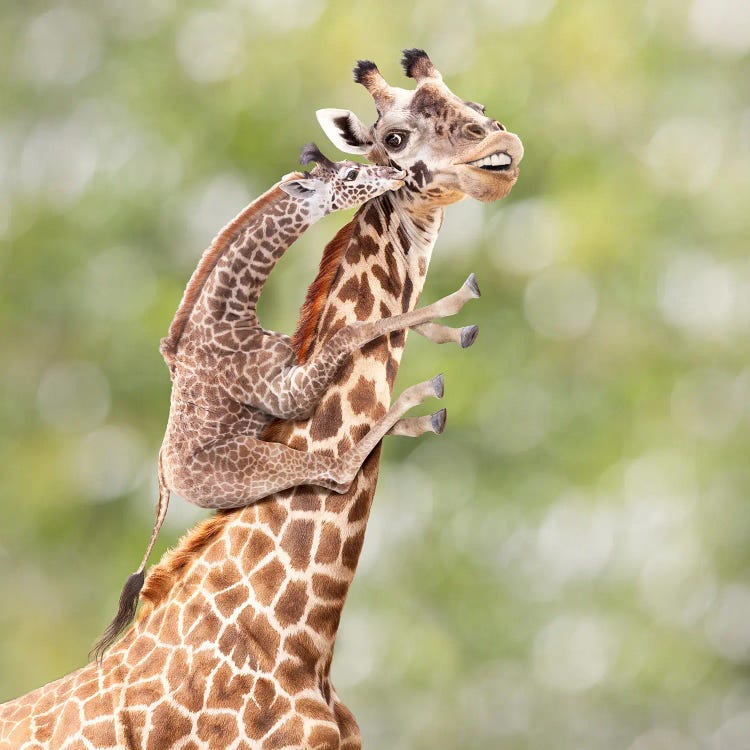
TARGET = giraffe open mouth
x,y
497,162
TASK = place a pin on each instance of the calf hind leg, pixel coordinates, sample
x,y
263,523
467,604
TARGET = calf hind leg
x,y
242,469
352,460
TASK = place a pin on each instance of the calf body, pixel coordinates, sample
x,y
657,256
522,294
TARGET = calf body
x,y
231,377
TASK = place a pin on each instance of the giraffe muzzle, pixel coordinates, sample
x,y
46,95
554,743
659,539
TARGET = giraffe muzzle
x,y
396,176
391,173
498,153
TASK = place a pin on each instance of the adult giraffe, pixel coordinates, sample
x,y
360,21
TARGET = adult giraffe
x,y
233,647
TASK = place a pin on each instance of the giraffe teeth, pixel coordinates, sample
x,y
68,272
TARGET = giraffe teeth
x,y
499,160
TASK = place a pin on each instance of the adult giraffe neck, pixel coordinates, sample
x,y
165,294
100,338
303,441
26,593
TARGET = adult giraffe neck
x,y
382,271
412,229
292,557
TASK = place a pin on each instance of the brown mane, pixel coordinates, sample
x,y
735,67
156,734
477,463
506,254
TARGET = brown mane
x,y
163,576
317,292
208,262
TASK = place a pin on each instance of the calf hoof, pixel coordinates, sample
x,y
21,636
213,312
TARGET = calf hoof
x,y
471,282
438,421
438,385
469,336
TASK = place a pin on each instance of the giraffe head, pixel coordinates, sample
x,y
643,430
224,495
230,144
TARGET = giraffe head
x,y
450,148
332,186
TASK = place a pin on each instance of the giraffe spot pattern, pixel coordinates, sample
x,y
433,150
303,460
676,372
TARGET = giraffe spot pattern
x,y
291,604
362,395
328,419
329,545
249,629
297,542
267,581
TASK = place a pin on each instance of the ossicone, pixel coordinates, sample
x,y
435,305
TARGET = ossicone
x,y
311,153
417,64
367,73
362,69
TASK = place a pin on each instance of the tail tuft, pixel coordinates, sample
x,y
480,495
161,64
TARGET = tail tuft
x,y
125,613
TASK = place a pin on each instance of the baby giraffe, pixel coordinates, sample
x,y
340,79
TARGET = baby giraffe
x,y
231,377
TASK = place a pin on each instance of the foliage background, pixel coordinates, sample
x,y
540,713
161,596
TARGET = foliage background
x,y
568,565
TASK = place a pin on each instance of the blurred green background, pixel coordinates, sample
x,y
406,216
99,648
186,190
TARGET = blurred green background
x,y
568,566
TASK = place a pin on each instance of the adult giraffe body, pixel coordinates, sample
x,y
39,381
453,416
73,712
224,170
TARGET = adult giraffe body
x,y
233,647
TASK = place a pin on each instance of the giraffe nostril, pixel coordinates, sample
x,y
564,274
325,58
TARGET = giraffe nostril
x,y
497,125
473,130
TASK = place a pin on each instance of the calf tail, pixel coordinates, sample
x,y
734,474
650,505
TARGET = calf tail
x,y
132,588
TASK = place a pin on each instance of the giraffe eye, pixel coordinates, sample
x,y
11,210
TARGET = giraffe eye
x,y
395,141
351,175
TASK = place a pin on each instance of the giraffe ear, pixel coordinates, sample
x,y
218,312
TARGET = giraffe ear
x,y
346,131
302,188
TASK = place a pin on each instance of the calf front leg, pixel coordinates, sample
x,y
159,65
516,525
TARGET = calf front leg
x,y
301,387
416,426
438,334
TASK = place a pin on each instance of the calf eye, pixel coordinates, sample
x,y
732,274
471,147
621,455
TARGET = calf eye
x,y
351,175
395,141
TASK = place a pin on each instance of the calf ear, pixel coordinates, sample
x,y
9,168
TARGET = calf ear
x,y
301,188
346,131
